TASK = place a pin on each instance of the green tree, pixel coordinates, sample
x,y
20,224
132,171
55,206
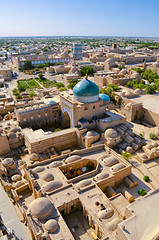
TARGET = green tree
x,y
32,94
15,91
150,89
89,70
28,65
72,83
21,88
45,49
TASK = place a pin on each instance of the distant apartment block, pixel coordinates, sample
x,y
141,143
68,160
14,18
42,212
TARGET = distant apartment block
x,y
19,61
77,51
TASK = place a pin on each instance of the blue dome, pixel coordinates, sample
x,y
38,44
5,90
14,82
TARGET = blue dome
x,y
50,102
85,88
104,97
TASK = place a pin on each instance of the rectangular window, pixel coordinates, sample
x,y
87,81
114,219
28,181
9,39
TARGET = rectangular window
x,y
93,107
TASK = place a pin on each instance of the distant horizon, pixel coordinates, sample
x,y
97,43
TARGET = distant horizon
x,y
67,36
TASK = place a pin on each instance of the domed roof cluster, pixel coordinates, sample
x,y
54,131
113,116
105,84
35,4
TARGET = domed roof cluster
x,y
86,91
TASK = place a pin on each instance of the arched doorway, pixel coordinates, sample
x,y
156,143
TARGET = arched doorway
x,y
66,120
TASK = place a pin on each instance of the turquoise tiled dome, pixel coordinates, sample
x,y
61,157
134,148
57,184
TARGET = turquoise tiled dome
x,y
50,102
85,88
104,97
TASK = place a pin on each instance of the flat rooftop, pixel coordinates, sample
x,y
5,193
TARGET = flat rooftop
x,y
39,135
150,102
144,224
10,217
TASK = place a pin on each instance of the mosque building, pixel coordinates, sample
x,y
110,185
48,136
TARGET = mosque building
x,y
84,104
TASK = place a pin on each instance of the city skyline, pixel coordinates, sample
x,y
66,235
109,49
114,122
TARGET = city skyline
x,y
84,18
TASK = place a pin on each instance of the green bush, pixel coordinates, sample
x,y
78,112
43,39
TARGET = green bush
x,y
57,129
120,67
109,91
152,136
72,83
15,92
142,134
62,89
126,155
114,87
59,85
142,192
146,178
32,94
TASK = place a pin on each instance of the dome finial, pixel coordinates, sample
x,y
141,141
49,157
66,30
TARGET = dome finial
x,y
86,77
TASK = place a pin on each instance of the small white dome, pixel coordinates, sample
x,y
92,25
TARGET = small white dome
x,y
47,177
34,157
84,183
106,213
101,176
41,208
91,133
110,133
117,167
149,146
51,225
110,161
72,158
55,164
51,186
143,156
16,177
7,162
39,169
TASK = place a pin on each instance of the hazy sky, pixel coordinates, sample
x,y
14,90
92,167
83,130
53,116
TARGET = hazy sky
x,y
79,17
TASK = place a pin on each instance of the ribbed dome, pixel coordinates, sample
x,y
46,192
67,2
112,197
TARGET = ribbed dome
x,y
104,97
86,91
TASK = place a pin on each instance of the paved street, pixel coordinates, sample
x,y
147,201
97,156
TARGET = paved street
x,y
10,218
